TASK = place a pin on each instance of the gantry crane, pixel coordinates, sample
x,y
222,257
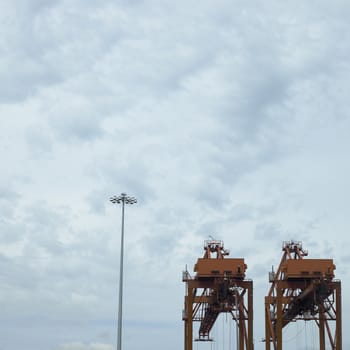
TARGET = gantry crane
x,y
219,285
303,289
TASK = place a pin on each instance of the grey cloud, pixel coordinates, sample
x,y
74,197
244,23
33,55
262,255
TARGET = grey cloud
x,y
268,232
11,231
81,346
98,200
24,69
50,274
16,274
35,7
78,126
41,47
75,119
39,141
207,115
130,176
8,194
247,212
25,81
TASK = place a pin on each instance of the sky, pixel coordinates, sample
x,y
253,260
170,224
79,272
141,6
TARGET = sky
x,y
226,119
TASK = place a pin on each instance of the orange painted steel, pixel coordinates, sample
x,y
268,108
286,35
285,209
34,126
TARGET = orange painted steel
x,y
303,289
209,267
218,286
308,268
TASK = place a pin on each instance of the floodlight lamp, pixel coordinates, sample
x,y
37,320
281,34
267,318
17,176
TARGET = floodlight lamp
x,y
115,199
123,198
132,200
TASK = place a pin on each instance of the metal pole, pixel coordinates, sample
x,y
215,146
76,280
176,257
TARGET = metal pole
x,y
237,333
124,199
120,307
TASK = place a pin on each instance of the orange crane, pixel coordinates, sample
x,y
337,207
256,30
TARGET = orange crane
x,y
303,289
219,285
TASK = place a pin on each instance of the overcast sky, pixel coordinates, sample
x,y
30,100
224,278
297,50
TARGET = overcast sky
x,y
225,118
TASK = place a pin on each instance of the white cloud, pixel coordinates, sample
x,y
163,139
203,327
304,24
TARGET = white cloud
x,y
81,346
222,120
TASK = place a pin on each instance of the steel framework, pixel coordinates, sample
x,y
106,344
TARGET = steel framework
x,y
303,289
219,285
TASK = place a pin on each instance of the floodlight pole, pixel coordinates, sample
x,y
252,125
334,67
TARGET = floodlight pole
x,y
124,199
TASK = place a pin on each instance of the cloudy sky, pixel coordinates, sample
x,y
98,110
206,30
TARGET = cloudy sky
x,y
226,118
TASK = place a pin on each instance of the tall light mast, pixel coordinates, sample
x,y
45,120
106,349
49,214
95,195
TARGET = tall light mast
x,y
123,199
